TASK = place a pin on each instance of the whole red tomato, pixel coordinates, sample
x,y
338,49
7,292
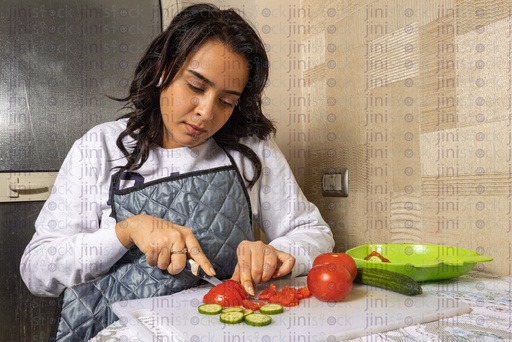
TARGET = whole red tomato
x,y
329,283
342,259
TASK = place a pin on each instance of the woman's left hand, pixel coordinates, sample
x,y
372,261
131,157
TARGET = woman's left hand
x,y
259,262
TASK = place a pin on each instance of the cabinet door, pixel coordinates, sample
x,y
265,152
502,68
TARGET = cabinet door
x,y
59,62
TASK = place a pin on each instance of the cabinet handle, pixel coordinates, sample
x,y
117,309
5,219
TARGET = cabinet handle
x,y
27,187
17,188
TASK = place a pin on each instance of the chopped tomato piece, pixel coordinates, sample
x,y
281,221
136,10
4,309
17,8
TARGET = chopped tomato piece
x,y
268,293
284,300
286,297
304,292
249,304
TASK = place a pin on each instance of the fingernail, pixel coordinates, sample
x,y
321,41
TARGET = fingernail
x,y
250,290
212,271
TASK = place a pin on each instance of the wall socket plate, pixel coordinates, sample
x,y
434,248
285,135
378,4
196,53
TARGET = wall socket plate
x,y
335,184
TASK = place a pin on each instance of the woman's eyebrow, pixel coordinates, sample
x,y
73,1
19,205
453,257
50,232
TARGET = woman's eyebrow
x,y
212,84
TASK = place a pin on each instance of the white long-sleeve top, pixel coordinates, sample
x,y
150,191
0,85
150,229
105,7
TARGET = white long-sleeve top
x,y
75,237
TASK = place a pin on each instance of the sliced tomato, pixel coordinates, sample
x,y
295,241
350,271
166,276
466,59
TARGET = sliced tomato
x,y
376,256
229,293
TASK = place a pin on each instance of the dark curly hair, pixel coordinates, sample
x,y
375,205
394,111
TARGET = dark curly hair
x,y
168,52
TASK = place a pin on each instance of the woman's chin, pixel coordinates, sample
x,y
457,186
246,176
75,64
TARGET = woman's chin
x,y
190,141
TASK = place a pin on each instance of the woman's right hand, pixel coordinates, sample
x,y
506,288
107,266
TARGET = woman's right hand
x,y
162,242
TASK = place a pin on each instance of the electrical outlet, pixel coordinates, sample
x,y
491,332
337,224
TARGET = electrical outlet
x,y
335,184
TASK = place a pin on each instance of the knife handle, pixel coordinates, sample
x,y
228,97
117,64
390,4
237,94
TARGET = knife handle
x,y
195,269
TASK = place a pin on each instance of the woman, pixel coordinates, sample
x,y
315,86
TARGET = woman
x,y
182,175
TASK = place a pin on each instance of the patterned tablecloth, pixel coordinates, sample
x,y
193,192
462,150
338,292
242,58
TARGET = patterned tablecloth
x,y
490,319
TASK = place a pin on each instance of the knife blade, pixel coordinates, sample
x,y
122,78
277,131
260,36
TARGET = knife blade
x,y
196,270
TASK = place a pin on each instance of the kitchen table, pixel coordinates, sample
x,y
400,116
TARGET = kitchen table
x,y
490,319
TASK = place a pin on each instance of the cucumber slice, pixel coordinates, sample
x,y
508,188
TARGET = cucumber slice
x,y
209,309
231,317
258,320
271,309
232,309
247,312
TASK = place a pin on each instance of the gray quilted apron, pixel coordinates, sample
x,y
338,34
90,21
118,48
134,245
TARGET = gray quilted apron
x,y
213,203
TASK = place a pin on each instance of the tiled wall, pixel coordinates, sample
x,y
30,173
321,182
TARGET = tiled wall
x,y
416,102
414,98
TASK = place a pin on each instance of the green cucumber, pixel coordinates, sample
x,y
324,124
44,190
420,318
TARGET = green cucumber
x,y
271,309
247,312
257,320
233,317
209,309
388,280
232,309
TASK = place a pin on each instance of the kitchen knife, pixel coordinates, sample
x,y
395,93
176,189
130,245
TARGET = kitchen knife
x,y
196,270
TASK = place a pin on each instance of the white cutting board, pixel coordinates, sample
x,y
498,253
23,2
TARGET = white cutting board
x,y
365,311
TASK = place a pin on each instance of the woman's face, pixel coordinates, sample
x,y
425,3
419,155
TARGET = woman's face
x,y
202,96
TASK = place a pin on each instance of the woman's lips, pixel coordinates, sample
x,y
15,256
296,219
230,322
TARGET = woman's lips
x,y
194,130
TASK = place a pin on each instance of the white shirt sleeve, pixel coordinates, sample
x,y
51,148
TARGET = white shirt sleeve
x,y
292,223
74,240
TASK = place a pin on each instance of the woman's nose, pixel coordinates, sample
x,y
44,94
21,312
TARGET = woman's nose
x,y
205,107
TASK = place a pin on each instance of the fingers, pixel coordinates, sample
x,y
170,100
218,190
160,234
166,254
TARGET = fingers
x,y
187,241
263,262
258,262
151,256
173,259
236,274
285,264
194,250
243,268
197,254
178,256
164,259
165,244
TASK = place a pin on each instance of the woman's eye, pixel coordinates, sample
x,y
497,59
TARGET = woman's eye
x,y
226,103
194,88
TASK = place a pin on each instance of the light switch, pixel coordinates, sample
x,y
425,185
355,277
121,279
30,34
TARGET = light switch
x,y
335,184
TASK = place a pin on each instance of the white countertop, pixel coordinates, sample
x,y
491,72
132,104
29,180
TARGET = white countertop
x,y
490,319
